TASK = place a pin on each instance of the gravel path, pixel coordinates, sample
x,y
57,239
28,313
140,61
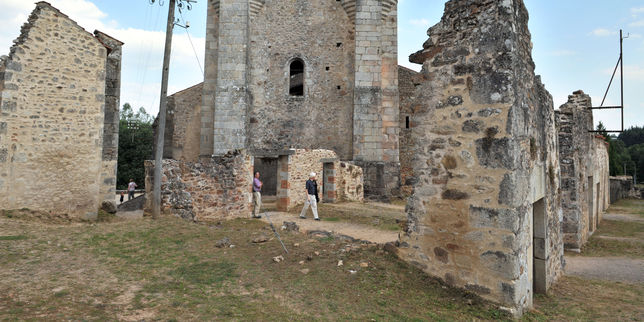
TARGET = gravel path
x,y
619,269
354,230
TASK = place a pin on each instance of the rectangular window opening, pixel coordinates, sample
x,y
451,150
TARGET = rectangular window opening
x,y
406,122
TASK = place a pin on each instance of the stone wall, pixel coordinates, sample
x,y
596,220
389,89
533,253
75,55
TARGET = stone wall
x,y
584,170
207,191
407,82
620,187
57,99
349,182
601,181
293,171
321,118
111,119
350,94
181,139
484,214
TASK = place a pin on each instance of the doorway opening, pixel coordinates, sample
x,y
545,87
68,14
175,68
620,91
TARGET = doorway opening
x,y
267,168
539,248
591,205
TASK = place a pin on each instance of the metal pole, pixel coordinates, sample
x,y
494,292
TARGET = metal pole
x,y
621,74
156,208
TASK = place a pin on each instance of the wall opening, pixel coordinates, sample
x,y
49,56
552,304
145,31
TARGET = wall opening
x,y
591,205
599,207
406,122
539,230
267,168
296,78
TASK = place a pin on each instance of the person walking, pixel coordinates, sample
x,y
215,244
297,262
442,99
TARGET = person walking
x,y
311,197
257,195
130,189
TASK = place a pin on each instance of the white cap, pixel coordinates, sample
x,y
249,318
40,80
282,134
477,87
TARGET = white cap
x,y
312,174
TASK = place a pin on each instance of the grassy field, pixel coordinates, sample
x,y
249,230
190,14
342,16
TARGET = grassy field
x,y
629,206
170,269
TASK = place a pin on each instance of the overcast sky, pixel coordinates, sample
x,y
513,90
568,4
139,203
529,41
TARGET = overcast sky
x,y
576,45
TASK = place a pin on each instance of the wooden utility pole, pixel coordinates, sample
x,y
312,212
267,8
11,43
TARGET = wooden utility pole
x,y
158,157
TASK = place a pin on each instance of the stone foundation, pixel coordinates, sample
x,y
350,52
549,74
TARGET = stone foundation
x,y
207,191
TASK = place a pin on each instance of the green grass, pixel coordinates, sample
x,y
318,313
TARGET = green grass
x,y
628,206
14,237
170,269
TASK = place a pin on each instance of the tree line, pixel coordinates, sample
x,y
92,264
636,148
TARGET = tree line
x,y
136,141
626,151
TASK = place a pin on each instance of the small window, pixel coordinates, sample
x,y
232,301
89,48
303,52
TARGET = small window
x,y
296,78
406,122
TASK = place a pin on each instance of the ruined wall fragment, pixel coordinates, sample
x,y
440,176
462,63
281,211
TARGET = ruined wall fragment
x,y
111,117
584,170
209,190
55,88
484,214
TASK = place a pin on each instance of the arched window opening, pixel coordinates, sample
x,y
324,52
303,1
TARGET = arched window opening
x,y
296,79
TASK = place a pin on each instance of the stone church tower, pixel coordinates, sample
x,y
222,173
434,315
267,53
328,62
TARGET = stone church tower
x,y
304,74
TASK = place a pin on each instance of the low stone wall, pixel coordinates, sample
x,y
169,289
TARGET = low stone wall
x,y
293,171
620,187
209,190
343,181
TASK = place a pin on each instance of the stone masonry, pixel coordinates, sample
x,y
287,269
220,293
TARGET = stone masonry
x,y
343,181
349,102
407,82
206,191
58,120
484,214
111,118
584,170
292,172
181,139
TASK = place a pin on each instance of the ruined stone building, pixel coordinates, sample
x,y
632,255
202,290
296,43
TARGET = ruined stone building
x,y
484,214
296,75
59,105
473,139
585,187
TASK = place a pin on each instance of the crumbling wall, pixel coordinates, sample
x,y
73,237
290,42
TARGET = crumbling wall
x,y
601,181
574,119
484,214
584,171
210,190
407,82
111,110
343,181
349,182
620,187
52,117
182,128
293,171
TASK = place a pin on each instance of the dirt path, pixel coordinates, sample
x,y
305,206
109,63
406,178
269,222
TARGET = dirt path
x,y
354,230
619,269
622,217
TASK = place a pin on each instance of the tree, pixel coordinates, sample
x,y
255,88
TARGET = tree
x,y
632,136
636,153
136,141
601,130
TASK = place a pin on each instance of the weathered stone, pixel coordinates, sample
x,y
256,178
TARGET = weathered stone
x,y
109,206
223,243
473,126
57,165
508,219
